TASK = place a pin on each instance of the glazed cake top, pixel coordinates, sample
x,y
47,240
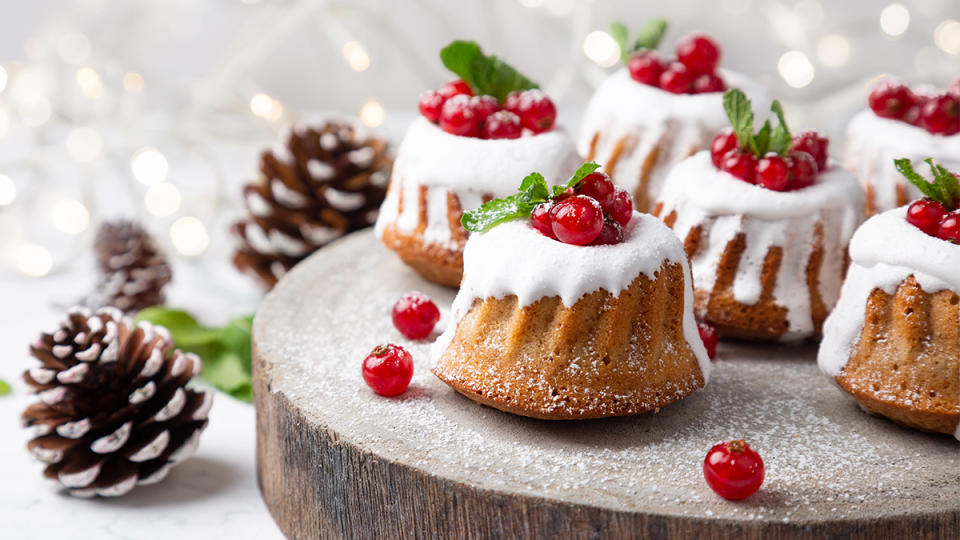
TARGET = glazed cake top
x,y
905,138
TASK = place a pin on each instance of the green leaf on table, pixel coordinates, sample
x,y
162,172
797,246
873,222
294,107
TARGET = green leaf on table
x,y
4,388
486,75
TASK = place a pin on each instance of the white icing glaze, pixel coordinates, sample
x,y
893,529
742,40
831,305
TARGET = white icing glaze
x,y
494,266
679,124
468,167
872,145
724,206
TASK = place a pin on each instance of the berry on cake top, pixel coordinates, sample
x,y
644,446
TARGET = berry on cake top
x,y
490,100
936,112
694,71
771,157
587,210
937,214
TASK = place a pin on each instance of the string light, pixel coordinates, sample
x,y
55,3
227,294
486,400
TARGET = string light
x,y
372,113
796,69
833,50
133,82
8,190
162,199
601,48
189,236
84,144
89,82
34,260
266,107
149,166
894,20
70,216
947,36
356,56
73,48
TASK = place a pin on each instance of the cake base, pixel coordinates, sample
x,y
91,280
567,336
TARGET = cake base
x,y
335,460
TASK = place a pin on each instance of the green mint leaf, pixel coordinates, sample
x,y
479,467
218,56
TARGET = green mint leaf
x,y
459,57
906,169
650,34
186,332
780,139
494,213
534,188
948,183
762,139
486,75
620,34
581,173
738,110
4,388
230,372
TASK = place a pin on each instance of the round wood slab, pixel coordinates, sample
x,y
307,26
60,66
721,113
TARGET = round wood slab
x,y
335,460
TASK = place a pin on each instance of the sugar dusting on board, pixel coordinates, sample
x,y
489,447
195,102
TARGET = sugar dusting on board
x,y
825,459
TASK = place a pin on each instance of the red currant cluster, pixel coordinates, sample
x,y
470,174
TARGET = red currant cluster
x,y
797,170
693,72
939,114
593,213
934,219
454,107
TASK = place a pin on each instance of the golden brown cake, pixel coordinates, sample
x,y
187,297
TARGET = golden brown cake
x,y
558,331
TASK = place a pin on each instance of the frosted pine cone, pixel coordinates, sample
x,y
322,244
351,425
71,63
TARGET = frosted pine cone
x,y
133,272
324,182
114,410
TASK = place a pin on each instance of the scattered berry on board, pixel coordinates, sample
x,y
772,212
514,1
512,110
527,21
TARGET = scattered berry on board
x,y
415,315
733,470
709,336
387,370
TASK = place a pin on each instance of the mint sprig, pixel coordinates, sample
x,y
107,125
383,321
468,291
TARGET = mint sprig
x,y
4,387
649,36
486,75
533,191
776,139
225,351
945,188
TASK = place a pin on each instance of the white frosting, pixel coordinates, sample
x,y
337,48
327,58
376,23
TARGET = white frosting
x,y
872,145
678,123
468,167
514,259
724,206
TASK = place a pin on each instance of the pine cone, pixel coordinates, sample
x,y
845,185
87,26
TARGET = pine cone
x,y
114,411
325,182
133,273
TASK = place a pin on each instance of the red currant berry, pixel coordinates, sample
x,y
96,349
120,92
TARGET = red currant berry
x,y
502,125
803,170
484,106
740,164
564,195
733,470
431,105
812,143
699,53
535,109
708,82
454,88
708,334
773,172
610,234
621,209
891,99
577,220
387,370
722,143
458,117
676,79
598,186
926,215
645,67
415,315
941,115
950,228
541,219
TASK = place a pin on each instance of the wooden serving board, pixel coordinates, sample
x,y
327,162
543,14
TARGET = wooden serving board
x,y
335,460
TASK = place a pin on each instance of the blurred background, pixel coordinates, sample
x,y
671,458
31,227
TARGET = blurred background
x,y
158,109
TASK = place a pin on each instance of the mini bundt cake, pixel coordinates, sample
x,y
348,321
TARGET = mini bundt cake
x,y
893,341
901,123
545,328
651,114
470,138
766,230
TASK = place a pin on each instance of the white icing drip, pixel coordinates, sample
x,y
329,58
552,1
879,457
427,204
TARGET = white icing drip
x,y
143,393
677,124
724,207
173,407
257,205
319,169
82,478
74,374
153,449
872,145
112,442
74,430
514,259
343,200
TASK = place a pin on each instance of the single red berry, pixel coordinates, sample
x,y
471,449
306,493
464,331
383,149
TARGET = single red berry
x,y
724,142
610,234
891,99
941,115
621,209
699,53
676,79
598,186
645,67
577,220
950,228
415,315
454,88
708,334
803,170
926,215
458,117
743,165
387,370
773,172
535,109
502,125
564,195
484,106
541,219
431,105
708,82
812,143
733,470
